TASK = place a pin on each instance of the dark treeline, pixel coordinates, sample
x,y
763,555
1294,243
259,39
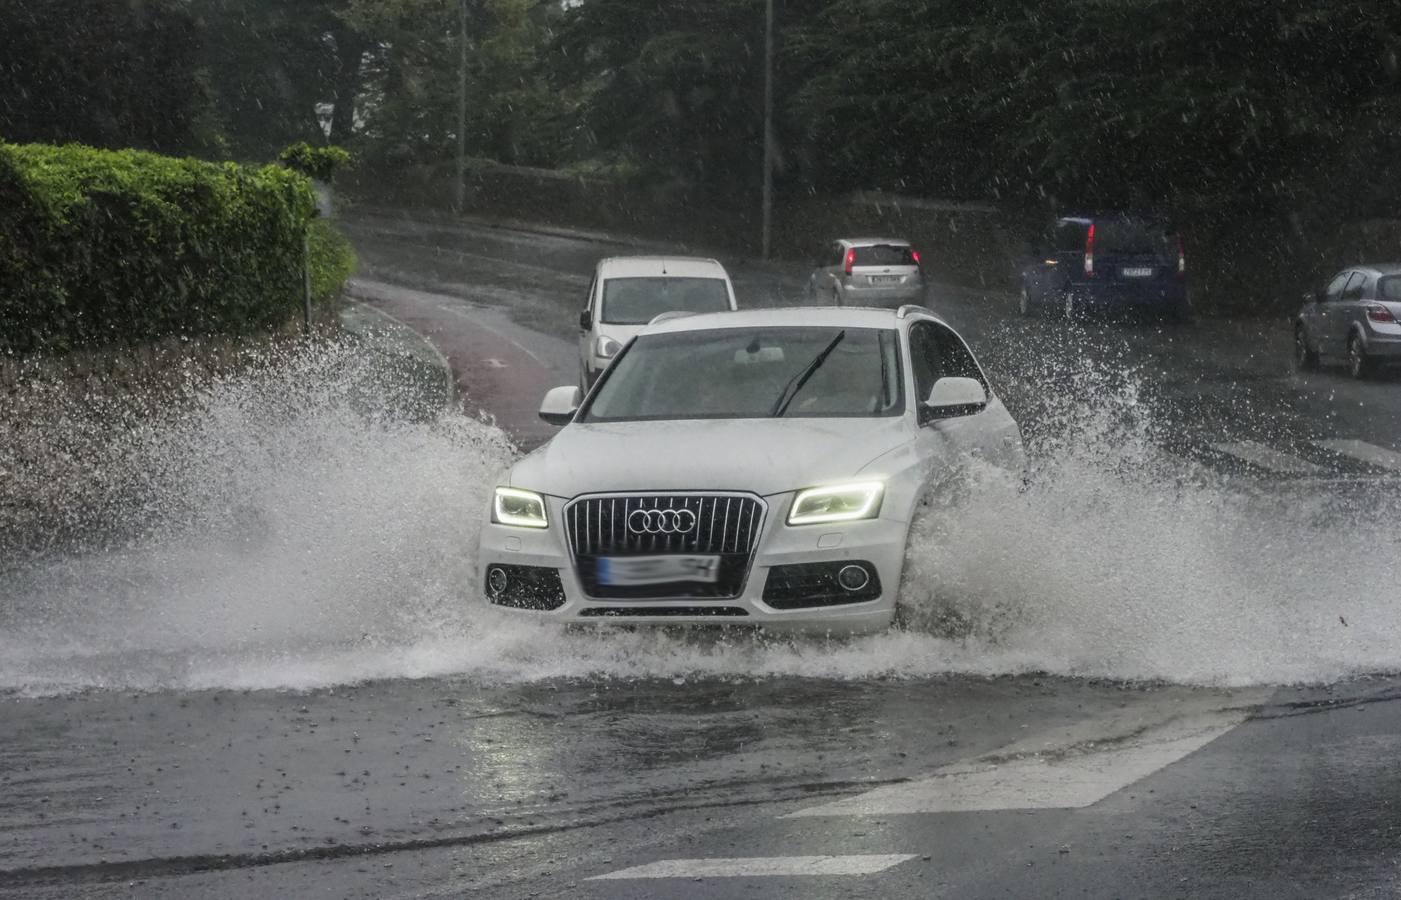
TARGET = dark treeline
x,y
1283,109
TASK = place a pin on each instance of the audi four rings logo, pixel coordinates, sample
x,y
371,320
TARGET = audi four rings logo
x,y
661,521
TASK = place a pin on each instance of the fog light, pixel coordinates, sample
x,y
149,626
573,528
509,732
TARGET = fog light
x,y
853,578
496,581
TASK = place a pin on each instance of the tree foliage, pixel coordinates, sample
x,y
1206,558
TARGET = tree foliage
x,y
115,73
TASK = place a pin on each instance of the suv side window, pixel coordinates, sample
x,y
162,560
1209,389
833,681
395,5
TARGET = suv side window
x,y
1335,287
936,352
1353,291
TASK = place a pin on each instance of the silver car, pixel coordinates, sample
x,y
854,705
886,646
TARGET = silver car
x,y
1356,317
882,272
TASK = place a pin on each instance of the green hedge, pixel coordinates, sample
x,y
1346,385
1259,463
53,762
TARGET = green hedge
x,y
102,247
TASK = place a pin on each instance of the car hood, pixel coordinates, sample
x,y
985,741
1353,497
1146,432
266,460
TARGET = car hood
x,y
765,456
620,333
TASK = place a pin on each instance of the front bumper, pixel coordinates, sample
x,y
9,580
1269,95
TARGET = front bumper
x,y
877,542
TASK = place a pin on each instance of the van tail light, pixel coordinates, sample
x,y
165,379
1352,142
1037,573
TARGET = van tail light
x,y
914,254
1181,257
1378,313
850,259
1090,251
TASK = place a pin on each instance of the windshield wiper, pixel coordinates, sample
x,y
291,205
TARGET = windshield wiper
x,y
795,384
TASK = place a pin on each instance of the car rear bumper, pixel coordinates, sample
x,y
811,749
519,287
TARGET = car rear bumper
x,y
1116,295
1384,347
878,544
883,297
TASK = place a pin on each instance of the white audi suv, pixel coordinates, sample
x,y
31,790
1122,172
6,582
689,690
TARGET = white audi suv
x,y
759,467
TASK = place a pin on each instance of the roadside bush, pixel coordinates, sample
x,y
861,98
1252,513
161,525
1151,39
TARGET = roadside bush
x,y
332,260
320,163
110,247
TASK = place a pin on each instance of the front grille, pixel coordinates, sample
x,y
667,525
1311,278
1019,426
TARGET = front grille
x,y
726,526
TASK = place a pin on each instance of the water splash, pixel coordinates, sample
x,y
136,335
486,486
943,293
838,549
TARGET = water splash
x,y
291,529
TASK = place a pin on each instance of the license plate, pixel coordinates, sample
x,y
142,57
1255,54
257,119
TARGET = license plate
x,y
1137,272
885,279
627,571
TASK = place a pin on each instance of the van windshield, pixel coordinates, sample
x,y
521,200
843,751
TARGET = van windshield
x,y
637,301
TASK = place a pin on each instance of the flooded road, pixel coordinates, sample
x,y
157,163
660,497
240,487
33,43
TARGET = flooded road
x,y
1172,674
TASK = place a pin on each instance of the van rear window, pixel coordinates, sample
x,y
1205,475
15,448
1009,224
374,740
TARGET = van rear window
x,y
1127,236
884,255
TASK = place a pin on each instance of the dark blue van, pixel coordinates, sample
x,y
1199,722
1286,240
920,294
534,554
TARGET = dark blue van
x,y
1107,263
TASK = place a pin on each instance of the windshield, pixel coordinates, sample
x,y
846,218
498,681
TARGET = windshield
x,y
751,373
637,301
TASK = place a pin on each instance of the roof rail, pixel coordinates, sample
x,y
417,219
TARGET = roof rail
x,y
904,311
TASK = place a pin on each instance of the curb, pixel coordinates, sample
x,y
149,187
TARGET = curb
x,y
394,337
428,216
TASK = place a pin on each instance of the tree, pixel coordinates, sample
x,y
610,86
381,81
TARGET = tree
x,y
281,71
675,88
110,73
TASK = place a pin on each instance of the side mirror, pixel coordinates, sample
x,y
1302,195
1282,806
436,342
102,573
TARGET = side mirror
x,y
560,404
953,397
585,320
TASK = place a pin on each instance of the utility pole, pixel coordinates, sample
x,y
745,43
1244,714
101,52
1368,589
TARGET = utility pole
x,y
460,195
768,126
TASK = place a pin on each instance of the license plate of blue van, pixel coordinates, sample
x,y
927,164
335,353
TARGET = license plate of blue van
x,y
1137,272
632,571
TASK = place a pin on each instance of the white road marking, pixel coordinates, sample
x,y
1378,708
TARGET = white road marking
x,y
477,321
494,363
1264,457
1362,451
1102,756
762,867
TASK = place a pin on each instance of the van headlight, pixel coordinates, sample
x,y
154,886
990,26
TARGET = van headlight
x,y
837,503
606,348
521,509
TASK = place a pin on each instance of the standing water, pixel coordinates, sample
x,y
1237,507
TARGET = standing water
x,y
289,528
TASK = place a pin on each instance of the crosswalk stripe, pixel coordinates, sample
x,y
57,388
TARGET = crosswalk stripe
x,y
1068,778
1264,457
762,867
1362,451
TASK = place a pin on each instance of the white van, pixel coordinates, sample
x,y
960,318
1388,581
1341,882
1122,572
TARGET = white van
x,y
627,292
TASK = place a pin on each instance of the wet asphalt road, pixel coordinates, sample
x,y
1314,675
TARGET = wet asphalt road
x,y
1025,786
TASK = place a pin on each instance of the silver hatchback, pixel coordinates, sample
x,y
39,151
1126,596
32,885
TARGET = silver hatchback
x,y
881,272
1356,317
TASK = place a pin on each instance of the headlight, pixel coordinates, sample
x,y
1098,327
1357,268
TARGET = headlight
x,y
606,347
838,503
523,509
